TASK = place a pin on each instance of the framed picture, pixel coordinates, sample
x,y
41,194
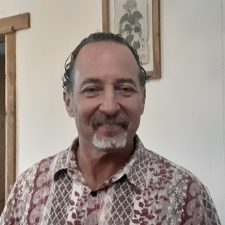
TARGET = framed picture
x,y
138,21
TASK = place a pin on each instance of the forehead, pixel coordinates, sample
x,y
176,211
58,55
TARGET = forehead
x,y
105,53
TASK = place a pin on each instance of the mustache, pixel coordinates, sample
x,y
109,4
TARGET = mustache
x,y
110,120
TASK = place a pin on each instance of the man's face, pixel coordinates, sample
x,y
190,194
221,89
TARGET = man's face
x,y
107,100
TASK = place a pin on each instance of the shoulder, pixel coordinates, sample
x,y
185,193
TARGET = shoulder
x,y
162,166
29,174
41,171
163,174
179,180
158,170
189,198
34,178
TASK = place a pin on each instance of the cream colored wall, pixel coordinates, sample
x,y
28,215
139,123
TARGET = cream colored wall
x,y
184,115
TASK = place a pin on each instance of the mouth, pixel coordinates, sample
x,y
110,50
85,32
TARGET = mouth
x,y
110,126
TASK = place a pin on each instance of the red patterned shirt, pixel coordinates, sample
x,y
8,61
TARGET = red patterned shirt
x,y
148,190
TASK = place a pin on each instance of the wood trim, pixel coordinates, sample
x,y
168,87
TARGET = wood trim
x,y
2,38
156,39
2,132
14,23
105,16
8,28
10,107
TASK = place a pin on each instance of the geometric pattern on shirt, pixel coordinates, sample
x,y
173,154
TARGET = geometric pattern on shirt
x,y
154,191
58,204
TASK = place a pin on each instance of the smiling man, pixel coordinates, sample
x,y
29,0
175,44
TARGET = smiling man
x,y
106,100
107,176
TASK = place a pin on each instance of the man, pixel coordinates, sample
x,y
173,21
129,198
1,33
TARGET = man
x,y
107,176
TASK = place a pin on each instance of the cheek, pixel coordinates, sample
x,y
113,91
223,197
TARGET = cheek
x,y
84,111
134,110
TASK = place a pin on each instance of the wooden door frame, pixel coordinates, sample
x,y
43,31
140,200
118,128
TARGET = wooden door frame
x,y
8,28
2,126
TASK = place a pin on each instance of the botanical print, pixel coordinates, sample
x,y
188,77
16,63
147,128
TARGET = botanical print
x,y
131,22
130,26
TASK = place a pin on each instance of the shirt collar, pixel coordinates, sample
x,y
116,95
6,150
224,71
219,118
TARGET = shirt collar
x,y
137,167
63,159
135,170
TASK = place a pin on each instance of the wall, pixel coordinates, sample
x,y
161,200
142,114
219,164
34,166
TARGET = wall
x,y
184,113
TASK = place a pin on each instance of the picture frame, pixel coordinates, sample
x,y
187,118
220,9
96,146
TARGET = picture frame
x,y
144,36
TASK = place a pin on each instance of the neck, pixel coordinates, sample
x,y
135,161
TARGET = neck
x,y
98,165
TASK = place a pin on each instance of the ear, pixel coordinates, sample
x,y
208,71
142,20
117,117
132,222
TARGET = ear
x,y
67,97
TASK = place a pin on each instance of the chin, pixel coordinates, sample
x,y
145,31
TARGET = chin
x,y
110,143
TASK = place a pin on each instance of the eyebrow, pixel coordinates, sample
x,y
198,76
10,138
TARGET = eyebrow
x,y
118,81
90,80
126,80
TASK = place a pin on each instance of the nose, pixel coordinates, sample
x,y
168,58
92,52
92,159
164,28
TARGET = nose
x,y
109,103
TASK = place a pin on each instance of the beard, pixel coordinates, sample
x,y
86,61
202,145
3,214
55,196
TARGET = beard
x,y
110,140
114,143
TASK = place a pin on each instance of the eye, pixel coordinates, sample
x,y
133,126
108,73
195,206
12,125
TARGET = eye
x,y
90,91
126,90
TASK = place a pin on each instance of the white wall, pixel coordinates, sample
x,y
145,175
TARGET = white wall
x,y
185,110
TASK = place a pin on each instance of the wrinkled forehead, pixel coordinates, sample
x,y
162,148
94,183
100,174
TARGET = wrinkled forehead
x,y
105,51
107,61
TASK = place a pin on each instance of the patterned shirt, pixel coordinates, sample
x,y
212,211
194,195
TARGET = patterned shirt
x,y
148,190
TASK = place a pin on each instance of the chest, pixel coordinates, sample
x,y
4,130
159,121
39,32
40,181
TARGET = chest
x,y
119,203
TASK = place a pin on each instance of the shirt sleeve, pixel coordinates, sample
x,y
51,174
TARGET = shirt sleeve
x,y
18,200
199,208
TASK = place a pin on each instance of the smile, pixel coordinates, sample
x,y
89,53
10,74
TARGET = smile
x,y
110,130
110,127
107,124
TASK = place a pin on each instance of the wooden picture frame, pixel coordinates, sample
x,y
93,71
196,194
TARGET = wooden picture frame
x,y
153,30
